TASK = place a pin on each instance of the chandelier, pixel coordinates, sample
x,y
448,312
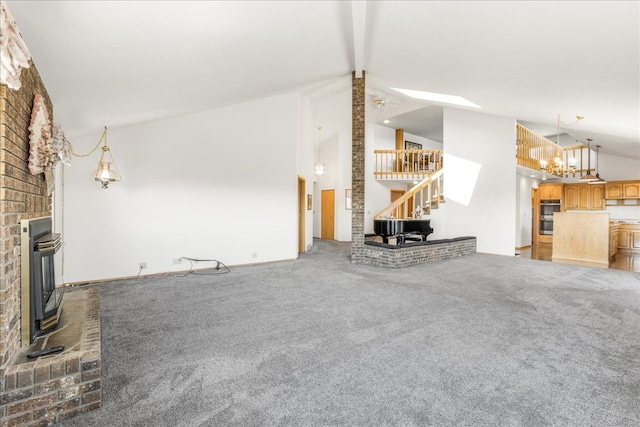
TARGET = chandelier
x,y
560,166
557,166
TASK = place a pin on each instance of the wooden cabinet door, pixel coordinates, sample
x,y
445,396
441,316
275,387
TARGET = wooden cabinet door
x,y
613,191
570,196
597,196
556,192
550,191
545,192
624,240
631,190
583,196
634,239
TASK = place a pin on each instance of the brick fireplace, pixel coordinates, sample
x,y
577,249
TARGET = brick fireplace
x,y
48,389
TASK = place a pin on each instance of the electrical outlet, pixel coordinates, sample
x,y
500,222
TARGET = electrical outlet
x,y
142,265
177,260
254,255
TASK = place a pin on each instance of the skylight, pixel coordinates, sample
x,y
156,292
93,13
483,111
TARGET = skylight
x,y
437,97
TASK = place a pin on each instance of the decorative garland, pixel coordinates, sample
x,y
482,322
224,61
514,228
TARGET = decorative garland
x,y
43,155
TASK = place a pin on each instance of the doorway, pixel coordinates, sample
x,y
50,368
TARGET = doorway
x,y
302,196
395,195
327,214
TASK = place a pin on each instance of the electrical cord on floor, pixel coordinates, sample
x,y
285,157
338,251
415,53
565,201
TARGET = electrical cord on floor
x,y
217,267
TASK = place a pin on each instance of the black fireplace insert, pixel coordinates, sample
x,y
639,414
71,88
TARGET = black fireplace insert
x,y
41,300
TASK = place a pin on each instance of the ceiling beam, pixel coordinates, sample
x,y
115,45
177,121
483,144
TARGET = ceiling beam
x,y
359,17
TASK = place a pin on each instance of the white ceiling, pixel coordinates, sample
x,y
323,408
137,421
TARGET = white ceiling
x,y
120,63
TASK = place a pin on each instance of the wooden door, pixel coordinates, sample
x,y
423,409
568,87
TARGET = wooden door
x,y
624,239
556,192
535,211
327,214
613,191
571,196
410,207
631,191
302,202
583,196
634,239
545,192
597,196
395,195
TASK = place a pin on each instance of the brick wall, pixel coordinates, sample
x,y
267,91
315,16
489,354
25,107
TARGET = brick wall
x,y
22,196
49,389
392,256
357,167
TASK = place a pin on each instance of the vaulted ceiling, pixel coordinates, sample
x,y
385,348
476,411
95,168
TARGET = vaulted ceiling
x,y
122,63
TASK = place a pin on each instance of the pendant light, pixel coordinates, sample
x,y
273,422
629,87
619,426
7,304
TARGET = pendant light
x,y
598,179
105,174
588,177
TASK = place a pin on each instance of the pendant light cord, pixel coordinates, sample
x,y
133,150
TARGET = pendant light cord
x,y
103,138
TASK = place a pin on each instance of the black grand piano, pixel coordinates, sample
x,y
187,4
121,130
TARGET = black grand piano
x,y
404,229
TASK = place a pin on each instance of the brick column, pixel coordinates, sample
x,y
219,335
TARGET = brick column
x,y
22,196
357,167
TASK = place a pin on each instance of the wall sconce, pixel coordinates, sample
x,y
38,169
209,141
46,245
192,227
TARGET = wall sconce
x,y
105,174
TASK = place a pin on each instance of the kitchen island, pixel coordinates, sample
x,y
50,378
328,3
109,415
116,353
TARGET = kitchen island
x,y
582,238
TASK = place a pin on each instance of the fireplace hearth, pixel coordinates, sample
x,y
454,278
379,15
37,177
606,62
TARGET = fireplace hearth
x,y
41,300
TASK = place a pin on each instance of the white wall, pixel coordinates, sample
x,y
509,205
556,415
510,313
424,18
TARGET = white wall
x,y
377,193
613,168
524,225
332,112
486,142
219,184
304,160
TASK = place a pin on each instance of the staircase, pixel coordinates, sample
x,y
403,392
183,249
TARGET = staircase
x,y
428,194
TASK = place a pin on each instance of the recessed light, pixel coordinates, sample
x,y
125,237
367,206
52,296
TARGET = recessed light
x,y
437,97
386,121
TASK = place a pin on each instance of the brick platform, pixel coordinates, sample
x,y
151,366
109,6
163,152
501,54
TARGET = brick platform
x,y
396,256
53,388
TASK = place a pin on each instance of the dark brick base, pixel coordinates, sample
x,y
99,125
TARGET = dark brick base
x,y
394,256
53,388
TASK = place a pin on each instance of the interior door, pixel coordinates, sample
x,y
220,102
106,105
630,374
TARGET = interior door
x,y
301,214
535,211
327,214
395,195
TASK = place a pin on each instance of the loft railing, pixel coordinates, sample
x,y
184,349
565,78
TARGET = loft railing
x,y
426,194
532,149
406,164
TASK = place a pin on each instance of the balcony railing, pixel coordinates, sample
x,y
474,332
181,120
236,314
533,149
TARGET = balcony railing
x,y
406,164
532,149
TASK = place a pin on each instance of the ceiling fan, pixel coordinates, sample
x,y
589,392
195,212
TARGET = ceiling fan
x,y
379,100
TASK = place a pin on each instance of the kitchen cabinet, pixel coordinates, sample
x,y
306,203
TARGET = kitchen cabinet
x,y
597,196
629,237
584,197
582,238
622,190
550,191
570,197
613,240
